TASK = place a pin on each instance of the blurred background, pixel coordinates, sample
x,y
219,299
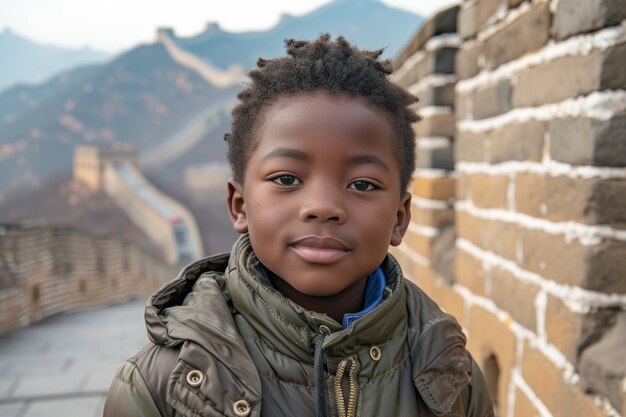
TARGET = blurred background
x,y
113,172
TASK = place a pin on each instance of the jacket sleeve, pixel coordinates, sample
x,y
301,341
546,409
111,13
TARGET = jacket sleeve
x,y
129,395
479,403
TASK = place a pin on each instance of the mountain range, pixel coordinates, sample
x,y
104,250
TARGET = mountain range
x,y
145,97
33,62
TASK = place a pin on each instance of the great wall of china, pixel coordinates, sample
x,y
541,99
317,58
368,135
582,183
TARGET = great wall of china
x,y
518,223
46,270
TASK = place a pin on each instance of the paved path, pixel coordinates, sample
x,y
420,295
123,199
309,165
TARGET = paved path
x,y
63,365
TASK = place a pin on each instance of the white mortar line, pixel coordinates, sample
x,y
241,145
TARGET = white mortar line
x,y
445,40
434,173
587,235
548,350
552,168
554,5
520,383
605,405
541,306
414,255
433,142
429,111
600,105
423,230
575,45
432,80
511,394
430,204
577,300
495,26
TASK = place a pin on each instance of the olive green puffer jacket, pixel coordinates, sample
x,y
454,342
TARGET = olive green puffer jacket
x,y
226,344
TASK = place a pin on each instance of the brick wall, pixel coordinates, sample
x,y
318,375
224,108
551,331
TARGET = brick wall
x,y
48,270
519,198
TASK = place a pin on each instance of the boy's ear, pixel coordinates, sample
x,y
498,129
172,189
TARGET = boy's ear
x,y
403,218
237,207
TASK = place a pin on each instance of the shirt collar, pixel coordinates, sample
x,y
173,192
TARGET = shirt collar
x,y
374,289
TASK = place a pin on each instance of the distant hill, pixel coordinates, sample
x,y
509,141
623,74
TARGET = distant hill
x,y
28,62
367,23
143,97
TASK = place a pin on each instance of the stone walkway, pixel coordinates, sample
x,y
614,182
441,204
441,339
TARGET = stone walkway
x,y
63,365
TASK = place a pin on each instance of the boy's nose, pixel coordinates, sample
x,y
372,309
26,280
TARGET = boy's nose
x,y
323,204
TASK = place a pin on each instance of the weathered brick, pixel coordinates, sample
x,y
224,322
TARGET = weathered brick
x,y
408,71
409,266
445,21
463,184
571,76
441,61
471,146
603,365
599,267
568,76
517,142
467,21
419,243
492,235
433,217
586,141
514,296
469,272
433,188
613,76
485,102
427,282
452,302
512,142
438,155
435,94
523,406
467,59
436,125
580,16
607,202
443,249
489,336
423,63
528,32
583,200
559,396
489,191
486,10
572,332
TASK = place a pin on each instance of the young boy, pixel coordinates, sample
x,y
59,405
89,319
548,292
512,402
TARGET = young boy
x,y
308,314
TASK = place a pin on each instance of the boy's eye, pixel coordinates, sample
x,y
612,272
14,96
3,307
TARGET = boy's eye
x,y
362,186
286,180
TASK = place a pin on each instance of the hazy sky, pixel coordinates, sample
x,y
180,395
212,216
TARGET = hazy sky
x,y
114,25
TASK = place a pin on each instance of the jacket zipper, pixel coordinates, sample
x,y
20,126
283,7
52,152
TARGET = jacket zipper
x,y
352,392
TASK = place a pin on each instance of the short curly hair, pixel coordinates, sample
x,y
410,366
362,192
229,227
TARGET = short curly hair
x,y
323,64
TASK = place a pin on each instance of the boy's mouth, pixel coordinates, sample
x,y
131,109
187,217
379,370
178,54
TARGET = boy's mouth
x,y
320,250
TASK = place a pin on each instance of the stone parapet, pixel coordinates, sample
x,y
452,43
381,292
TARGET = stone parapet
x,y
538,247
45,270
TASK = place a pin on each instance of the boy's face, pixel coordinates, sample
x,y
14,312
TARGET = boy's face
x,y
321,198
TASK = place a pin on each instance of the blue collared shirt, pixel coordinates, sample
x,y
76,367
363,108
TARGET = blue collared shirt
x,y
374,289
